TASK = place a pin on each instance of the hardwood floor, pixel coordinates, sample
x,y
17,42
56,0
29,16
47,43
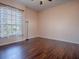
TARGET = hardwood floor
x,y
40,48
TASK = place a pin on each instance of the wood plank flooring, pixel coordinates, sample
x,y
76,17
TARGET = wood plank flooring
x,y
40,48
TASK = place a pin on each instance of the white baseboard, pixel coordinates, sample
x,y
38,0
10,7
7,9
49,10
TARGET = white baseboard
x,y
14,41
58,39
10,42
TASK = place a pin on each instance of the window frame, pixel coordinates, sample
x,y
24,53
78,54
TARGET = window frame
x,y
11,24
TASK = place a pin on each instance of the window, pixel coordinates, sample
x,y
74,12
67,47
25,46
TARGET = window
x,y
10,21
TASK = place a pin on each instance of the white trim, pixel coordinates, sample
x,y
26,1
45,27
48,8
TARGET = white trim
x,y
7,43
58,39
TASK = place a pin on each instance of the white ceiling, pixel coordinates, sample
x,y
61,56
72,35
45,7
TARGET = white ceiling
x,y
35,4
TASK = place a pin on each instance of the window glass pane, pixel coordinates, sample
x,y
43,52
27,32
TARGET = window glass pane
x,y
13,11
8,10
14,29
3,31
3,19
8,17
19,19
0,31
0,16
19,29
13,19
18,22
9,30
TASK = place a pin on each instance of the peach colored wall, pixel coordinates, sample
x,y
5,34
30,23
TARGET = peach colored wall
x,y
29,15
60,22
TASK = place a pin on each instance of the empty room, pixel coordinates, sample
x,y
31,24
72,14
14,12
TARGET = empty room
x,y
39,29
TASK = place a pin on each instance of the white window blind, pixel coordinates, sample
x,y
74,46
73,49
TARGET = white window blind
x,y
10,21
